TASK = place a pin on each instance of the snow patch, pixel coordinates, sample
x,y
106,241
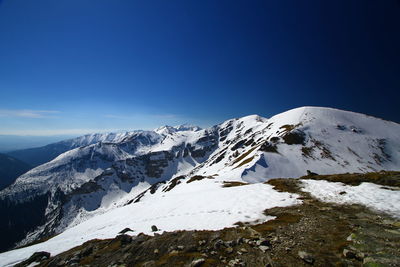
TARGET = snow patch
x,y
377,197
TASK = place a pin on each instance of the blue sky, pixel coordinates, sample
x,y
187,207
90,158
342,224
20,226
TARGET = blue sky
x,y
73,67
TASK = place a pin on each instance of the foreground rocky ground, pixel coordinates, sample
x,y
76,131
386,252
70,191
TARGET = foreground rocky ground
x,y
313,233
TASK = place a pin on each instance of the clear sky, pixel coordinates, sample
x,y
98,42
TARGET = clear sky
x,y
78,66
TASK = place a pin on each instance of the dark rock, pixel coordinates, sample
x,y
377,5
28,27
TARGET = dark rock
x,y
154,228
86,252
268,147
124,239
350,254
230,243
294,138
36,257
219,243
125,230
264,242
310,173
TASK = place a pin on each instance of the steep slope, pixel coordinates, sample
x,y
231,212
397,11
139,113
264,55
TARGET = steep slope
x,y
86,182
322,140
10,169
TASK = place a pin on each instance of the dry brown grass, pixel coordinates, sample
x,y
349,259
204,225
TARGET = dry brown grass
x,y
388,178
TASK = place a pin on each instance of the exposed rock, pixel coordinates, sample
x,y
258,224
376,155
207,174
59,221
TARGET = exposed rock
x,y
125,230
352,254
124,239
263,248
306,257
218,244
197,262
154,228
36,257
236,262
310,173
263,242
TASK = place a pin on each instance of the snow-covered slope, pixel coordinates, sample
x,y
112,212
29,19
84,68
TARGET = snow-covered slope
x,y
147,166
40,155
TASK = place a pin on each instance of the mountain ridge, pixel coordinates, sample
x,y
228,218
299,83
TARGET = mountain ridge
x,y
94,179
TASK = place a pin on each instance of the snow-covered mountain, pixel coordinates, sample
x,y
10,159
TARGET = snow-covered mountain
x,y
110,173
40,155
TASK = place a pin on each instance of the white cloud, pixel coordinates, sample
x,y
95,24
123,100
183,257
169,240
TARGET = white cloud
x,y
51,132
133,116
28,113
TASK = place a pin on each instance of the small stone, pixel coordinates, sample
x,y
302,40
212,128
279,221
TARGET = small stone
x,y
263,248
230,243
149,263
229,250
180,247
218,244
202,242
154,228
307,257
156,251
243,250
36,257
263,242
351,254
74,259
174,252
197,262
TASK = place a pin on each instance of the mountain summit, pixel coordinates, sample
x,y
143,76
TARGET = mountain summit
x,y
103,174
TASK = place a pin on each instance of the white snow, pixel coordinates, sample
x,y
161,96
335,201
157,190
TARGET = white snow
x,y
353,141
377,197
195,206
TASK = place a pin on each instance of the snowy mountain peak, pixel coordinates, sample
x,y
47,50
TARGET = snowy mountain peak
x,y
166,129
187,127
90,179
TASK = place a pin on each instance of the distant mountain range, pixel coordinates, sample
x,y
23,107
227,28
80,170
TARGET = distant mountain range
x,y
10,169
93,175
39,155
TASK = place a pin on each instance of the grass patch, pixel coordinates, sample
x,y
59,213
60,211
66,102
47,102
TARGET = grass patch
x,y
174,182
198,178
248,160
232,184
388,178
284,185
281,219
244,155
